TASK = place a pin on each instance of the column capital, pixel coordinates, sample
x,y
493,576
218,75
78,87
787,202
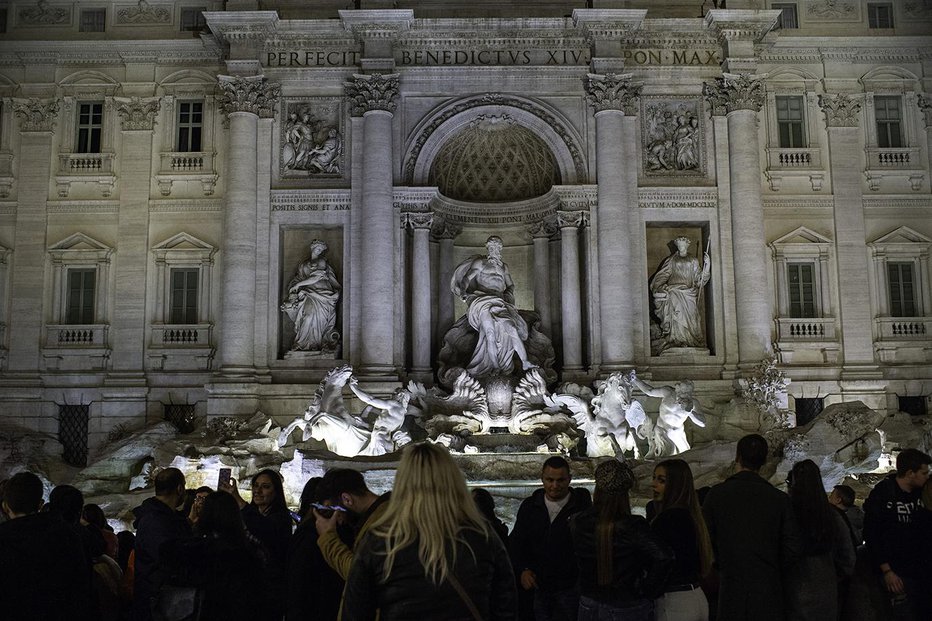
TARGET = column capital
x,y
137,113
544,228
372,92
612,91
735,91
36,115
841,110
444,229
925,105
572,219
415,220
248,94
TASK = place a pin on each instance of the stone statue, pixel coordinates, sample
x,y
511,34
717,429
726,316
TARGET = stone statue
x,y
675,288
313,294
326,156
386,436
677,404
485,284
327,419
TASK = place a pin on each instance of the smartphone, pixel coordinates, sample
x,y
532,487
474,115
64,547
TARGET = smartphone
x,y
327,510
295,516
223,479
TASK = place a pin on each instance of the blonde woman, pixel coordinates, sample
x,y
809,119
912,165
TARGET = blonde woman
x,y
430,554
680,524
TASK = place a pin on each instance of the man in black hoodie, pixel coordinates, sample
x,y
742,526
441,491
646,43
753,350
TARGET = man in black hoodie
x,y
541,545
44,573
157,521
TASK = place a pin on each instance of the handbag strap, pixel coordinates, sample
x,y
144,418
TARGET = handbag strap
x,y
464,596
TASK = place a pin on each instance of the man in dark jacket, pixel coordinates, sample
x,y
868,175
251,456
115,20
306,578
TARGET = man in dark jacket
x,y
754,536
44,573
541,545
891,531
157,522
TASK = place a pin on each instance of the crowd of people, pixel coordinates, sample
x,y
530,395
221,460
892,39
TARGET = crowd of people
x,y
431,549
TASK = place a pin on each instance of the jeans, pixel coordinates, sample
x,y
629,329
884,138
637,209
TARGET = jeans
x,y
556,605
682,606
592,610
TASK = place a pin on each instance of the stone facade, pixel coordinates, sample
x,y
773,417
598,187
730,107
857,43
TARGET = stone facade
x,y
158,188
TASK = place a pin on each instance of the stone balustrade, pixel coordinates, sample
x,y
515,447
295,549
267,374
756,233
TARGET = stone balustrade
x,y
806,329
78,335
903,328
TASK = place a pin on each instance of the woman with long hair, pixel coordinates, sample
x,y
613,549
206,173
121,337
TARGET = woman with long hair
x,y
430,554
622,564
223,563
679,522
828,554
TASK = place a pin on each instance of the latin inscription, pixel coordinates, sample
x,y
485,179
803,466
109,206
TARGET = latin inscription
x,y
502,57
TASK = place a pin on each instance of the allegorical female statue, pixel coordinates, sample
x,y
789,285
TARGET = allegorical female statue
x,y
675,288
313,294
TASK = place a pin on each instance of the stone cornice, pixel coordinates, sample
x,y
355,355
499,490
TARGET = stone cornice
x,y
210,205
741,25
230,26
613,92
577,196
84,207
841,110
113,53
607,24
892,203
406,198
377,24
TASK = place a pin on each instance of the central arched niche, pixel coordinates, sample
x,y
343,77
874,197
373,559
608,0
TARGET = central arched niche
x,y
494,159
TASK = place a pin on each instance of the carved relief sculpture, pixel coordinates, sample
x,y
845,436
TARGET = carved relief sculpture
x,y
313,295
840,110
143,13
834,10
36,115
311,141
675,288
672,142
44,15
138,114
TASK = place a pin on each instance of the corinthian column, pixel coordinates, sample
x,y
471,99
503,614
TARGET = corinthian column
x,y
37,124
742,97
614,98
242,98
570,223
842,116
541,232
373,96
420,224
445,232
127,327
925,105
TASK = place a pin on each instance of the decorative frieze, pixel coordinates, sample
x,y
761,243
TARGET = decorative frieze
x,y
36,115
43,14
833,11
248,94
841,110
372,92
613,92
143,14
735,91
137,114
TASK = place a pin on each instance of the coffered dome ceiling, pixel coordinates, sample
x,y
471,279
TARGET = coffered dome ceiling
x,y
494,160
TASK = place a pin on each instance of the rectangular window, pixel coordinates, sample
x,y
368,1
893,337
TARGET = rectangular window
x,y
790,121
902,289
3,20
787,19
93,20
190,125
192,19
879,15
914,406
888,116
801,284
90,126
807,409
81,287
183,296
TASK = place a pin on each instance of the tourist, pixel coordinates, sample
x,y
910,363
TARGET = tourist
x,y
43,567
345,489
268,520
842,498
754,538
541,545
680,524
430,554
891,531
486,505
194,511
827,552
222,569
157,522
314,588
622,564
94,516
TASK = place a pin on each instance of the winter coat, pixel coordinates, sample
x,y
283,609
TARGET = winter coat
x,y
483,570
314,588
824,569
156,523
